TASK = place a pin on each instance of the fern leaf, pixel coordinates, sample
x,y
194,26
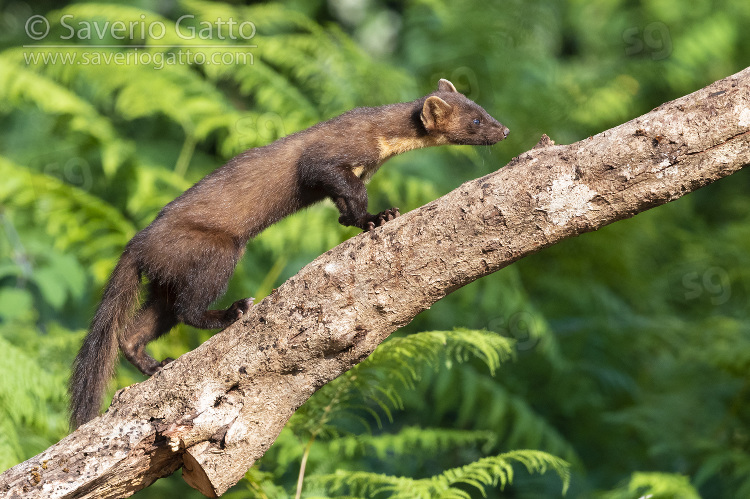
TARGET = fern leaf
x,y
396,366
26,389
72,216
655,485
411,440
21,86
488,472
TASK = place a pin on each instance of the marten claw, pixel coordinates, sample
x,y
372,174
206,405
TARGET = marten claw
x,y
241,307
383,217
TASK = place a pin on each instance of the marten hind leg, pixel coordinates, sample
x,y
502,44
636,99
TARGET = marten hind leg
x,y
155,318
215,319
192,303
204,281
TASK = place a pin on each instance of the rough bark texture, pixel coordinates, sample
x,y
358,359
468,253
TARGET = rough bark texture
x,y
217,409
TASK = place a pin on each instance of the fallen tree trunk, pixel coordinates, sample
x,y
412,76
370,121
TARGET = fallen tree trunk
x,y
217,409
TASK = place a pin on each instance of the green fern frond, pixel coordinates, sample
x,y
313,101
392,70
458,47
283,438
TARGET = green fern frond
x,y
176,91
20,86
27,391
410,440
23,389
72,216
655,485
459,345
488,472
483,403
10,447
396,366
295,53
662,485
269,19
330,65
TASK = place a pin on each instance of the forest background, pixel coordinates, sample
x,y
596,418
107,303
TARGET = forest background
x,y
623,352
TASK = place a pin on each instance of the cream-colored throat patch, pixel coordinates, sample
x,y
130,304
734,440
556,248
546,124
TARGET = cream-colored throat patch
x,y
391,146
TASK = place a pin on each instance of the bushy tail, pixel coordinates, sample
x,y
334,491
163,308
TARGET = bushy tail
x,y
95,363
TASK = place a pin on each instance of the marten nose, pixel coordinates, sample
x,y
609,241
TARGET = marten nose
x,y
506,131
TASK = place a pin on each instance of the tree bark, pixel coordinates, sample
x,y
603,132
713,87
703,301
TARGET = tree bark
x,y
217,409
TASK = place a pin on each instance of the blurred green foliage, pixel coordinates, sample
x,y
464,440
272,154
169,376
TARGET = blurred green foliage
x,y
624,352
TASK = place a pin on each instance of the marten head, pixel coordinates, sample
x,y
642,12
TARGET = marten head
x,y
449,114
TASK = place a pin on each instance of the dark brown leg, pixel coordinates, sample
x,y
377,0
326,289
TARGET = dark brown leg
x,y
350,197
216,319
154,319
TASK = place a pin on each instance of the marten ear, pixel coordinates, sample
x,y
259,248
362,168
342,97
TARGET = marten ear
x,y
446,86
434,111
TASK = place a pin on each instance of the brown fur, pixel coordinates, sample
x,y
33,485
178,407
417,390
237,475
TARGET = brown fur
x,y
189,252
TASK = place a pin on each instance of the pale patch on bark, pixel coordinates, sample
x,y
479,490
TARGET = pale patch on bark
x,y
745,117
566,199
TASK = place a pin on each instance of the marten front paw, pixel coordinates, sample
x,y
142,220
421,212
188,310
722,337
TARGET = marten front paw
x,y
381,218
240,308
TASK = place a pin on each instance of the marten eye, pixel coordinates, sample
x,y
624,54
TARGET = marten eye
x,y
476,121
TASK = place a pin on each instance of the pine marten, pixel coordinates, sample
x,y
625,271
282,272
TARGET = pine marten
x,y
189,252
